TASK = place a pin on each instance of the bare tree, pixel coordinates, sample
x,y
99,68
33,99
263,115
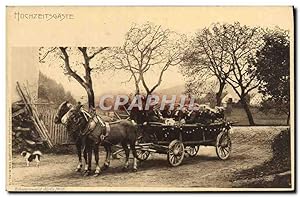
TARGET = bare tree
x,y
199,88
206,58
148,48
241,43
80,67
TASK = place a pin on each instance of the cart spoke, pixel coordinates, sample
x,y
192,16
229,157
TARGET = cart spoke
x,y
172,158
175,160
224,154
221,152
227,149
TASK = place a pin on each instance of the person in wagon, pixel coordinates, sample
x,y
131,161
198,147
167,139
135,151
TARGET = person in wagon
x,y
193,115
181,114
166,112
154,115
208,115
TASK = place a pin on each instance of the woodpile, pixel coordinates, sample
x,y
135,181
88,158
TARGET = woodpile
x,y
28,130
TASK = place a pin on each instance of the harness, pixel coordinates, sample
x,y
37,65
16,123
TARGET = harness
x,y
93,121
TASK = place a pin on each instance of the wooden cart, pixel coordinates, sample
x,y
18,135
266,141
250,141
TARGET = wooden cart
x,y
176,140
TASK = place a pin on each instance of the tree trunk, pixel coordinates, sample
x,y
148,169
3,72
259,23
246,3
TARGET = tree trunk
x,y
247,110
91,97
219,93
137,89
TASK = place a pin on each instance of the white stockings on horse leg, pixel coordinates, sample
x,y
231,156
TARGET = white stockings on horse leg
x,y
79,165
132,147
134,164
96,152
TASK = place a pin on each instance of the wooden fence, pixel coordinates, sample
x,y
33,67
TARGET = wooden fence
x,y
57,132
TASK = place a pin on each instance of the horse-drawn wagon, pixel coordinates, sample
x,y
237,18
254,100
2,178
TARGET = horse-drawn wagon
x,y
177,140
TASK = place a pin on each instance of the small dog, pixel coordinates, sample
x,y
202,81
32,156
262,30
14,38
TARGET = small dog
x,y
29,157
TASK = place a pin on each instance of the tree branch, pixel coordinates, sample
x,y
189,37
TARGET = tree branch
x,y
46,54
70,72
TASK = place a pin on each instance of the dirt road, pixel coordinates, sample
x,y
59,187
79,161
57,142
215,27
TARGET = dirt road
x,y
250,147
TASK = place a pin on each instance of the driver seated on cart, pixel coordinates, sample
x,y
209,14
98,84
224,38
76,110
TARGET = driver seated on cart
x,y
154,115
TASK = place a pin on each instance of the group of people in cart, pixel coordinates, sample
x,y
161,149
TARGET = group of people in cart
x,y
202,114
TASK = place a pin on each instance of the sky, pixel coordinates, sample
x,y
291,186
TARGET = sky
x,y
107,26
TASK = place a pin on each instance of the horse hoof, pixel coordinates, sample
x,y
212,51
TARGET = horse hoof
x,y
96,174
103,168
86,173
134,170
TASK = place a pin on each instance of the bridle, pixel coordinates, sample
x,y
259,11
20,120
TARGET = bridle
x,y
60,117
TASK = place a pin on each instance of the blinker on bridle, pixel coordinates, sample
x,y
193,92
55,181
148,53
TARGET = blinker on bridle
x,y
69,105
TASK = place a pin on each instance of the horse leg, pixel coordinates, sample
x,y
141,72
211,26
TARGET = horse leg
x,y
133,150
85,156
88,167
96,153
90,155
107,159
79,165
125,147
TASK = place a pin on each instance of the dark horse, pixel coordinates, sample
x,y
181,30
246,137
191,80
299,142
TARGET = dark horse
x,y
89,132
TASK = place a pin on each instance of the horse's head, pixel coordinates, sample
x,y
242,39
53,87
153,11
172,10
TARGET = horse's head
x,y
62,110
72,114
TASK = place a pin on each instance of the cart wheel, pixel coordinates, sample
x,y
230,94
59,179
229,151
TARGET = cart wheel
x,y
223,145
192,151
142,155
175,153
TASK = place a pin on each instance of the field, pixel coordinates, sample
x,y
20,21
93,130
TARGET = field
x,y
251,147
239,116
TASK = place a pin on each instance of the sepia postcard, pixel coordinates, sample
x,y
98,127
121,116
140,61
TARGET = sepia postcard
x,y
150,99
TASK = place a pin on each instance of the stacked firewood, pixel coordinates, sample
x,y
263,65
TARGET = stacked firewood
x,y
28,131
24,134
